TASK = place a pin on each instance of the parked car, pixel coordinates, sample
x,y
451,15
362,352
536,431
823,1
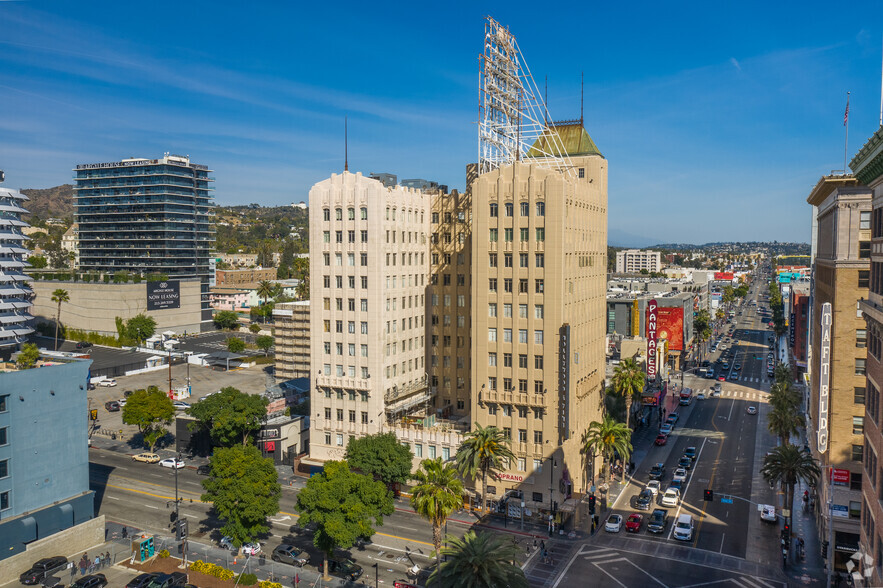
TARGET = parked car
x,y
109,383
658,521
146,457
665,429
168,580
661,439
633,523
251,548
142,580
112,406
204,470
179,405
41,569
121,402
614,523
172,462
127,393
83,345
90,581
342,568
673,417
291,555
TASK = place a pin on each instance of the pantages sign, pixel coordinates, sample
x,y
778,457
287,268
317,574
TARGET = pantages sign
x,y
652,325
824,376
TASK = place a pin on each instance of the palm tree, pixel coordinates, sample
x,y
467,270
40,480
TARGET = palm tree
x,y
787,465
606,438
59,296
783,396
782,374
266,290
482,450
784,422
628,382
438,492
483,560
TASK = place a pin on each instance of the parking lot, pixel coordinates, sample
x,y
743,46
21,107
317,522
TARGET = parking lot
x,y
106,361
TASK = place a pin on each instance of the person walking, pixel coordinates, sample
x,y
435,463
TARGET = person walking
x,y
107,561
125,532
84,563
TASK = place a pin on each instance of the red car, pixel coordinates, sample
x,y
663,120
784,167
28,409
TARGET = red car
x,y
661,439
633,523
721,378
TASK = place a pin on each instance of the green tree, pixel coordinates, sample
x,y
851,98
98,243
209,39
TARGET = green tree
x,y
787,465
437,494
235,345
784,422
140,327
226,319
607,438
381,456
628,382
344,506
483,560
151,411
303,289
254,328
244,488
266,290
231,417
37,261
265,254
27,357
483,449
59,296
264,342
702,326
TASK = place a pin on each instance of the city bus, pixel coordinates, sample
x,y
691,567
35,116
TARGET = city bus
x,y
686,397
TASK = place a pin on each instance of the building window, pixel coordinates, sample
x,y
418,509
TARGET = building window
x,y
492,359
492,385
507,360
857,451
538,387
4,401
4,500
538,311
522,358
446,453
507,433
540,287
860,366
538,362
492,334
864,278
507,260
525,209
855,509
541,260
522,464
340,439
858,425
4,468
855,481
492,284
864,219
861,338
4,437
492,409
864,249
582,172
537,496
493,211
492,260
522,260
522,435
492,235
432,452
541,234
509,208
507,235
538,337
541,209
859,395
326,214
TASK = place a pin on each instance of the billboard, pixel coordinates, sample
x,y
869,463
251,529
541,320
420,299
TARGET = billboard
x,y
723,276
163,295
652,326
671,326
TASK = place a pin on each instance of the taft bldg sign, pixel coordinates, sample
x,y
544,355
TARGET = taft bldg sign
x,y
163,295
824,376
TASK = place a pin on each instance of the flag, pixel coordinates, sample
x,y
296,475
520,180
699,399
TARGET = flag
x,y
846,114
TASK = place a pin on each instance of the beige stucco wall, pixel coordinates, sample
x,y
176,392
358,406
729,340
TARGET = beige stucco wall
x,y
94,306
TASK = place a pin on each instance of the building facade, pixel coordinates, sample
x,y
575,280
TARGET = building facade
x,y
539,263
15,292
248,277
842,265
632,261
868,168
70,244
147,216
292,322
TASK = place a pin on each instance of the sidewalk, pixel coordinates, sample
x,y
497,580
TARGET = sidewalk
x,y
811,570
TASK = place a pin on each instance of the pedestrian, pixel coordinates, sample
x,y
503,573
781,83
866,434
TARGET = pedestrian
x,y
542,546
125,532
84,563
107,561
97,562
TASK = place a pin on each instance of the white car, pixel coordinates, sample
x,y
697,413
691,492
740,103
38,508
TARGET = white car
x,y
768,513
751,410
121,402
110,383
680,475
181,405
614,523
671,497
700,396
251,548
172,462
653,486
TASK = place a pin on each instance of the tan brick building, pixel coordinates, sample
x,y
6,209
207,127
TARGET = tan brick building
x,y
539,262
240,277
841,277
868,168
292,334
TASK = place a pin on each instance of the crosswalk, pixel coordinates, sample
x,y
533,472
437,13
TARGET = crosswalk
x,y
743,394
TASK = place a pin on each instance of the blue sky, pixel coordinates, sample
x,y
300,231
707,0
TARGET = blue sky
x,y
717,118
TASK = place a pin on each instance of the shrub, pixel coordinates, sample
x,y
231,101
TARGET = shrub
x,y
247,579
107,278
210,569
269,584
164,554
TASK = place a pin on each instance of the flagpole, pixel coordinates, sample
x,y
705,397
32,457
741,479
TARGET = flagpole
x,y
881,95
846,142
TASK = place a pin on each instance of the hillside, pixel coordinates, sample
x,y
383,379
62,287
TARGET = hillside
x,y
57,202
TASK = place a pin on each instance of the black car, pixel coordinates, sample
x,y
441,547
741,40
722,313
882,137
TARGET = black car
x,y
645,499
168,580
291,555
90,581
657,472
690,452
685,462
658,521
42,569
204,470
342,568
83,345
112,406
142,580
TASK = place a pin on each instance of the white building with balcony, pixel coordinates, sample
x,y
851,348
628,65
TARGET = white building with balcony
x,y
15,292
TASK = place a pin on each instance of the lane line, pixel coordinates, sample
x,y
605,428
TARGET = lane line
x,y
686,487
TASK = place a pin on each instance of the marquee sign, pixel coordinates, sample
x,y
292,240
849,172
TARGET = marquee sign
x,y
824,376
652,325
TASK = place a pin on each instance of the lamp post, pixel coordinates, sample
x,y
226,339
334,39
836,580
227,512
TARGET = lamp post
x,y
376,577
551,489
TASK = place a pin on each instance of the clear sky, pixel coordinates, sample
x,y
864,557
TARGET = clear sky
x,y
717,118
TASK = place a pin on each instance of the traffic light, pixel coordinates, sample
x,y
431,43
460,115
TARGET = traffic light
x,y
592,500
173,516
709,495
786,533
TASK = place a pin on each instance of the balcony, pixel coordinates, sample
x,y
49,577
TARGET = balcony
x,y
501,397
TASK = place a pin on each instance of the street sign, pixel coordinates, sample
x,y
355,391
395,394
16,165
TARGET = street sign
x,y
727,499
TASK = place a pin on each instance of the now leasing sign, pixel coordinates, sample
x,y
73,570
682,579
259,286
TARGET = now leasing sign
x,y
824,376
652,326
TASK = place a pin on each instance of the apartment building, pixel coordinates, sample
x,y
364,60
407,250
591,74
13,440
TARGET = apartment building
x,y
292,333
632,261
240,277
868,168
15,292
539,238
369,271
838,356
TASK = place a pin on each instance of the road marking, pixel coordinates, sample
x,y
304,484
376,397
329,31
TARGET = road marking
x,y
151,506
711,480
686,487
723,536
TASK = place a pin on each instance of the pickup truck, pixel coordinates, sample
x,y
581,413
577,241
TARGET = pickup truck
x,y
168,580
42,569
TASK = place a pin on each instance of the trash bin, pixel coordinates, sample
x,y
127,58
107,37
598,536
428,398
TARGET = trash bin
x,y
262,559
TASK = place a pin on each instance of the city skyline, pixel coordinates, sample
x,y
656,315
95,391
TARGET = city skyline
x,y
683,105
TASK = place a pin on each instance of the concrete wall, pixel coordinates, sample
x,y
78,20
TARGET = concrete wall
x,y
72,543
94,306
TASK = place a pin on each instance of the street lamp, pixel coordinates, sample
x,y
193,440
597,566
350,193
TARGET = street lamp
x,y
551,489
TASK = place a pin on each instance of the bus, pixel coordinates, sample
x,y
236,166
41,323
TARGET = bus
x,y
686,397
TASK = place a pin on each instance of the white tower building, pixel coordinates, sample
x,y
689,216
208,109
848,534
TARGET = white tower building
x,y
15,293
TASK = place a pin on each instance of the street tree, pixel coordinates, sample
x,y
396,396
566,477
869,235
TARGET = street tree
x,y
266,290
482,560
244,489
264,342
607,438
59,296
785,421
382,456
483,449
254,328
437,494
27,357
151,411
343,506
628,382
787,465
231,417
140,327
226,320
235,345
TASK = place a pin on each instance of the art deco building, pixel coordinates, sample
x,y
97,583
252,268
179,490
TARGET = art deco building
x,y
838,356
15,293
539,263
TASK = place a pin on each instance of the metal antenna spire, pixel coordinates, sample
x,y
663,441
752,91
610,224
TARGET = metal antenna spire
x,y
546,100
582,91
346,155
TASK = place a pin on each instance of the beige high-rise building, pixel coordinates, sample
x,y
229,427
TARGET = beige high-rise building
x,y
292,333
632,261
539,261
